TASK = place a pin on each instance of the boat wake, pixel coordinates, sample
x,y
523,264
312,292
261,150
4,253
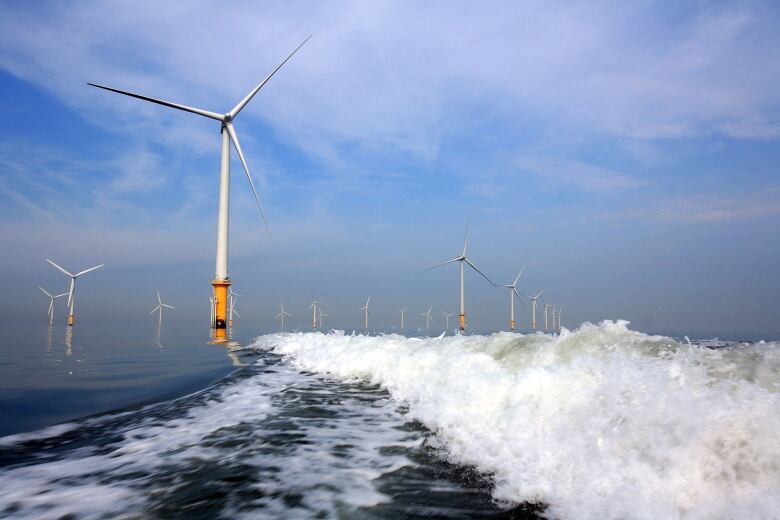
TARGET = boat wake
x,y
601,422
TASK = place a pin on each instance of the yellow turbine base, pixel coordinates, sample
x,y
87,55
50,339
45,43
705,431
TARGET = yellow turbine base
x,y
462,319
71,320
220,303
512,324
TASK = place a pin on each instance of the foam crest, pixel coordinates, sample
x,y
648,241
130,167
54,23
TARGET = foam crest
x,y
601,422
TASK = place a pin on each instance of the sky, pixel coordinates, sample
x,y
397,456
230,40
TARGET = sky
x,y
626,153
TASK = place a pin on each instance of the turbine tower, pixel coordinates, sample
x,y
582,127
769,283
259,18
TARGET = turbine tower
x,y
51,303
160,306
282,314
427,316
558,312
447,317
463,259
512,293
221,281
402,311
365,309
71,291
533,308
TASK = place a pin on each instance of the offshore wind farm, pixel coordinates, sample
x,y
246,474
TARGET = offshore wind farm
x,y
618,186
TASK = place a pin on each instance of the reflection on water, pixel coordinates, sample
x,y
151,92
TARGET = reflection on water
x,y
69,341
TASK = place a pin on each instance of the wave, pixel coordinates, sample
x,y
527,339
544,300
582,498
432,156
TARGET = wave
x,y
600,422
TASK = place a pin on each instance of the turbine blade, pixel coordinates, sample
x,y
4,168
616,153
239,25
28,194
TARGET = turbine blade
x,y
154,310
200,112
466,238
241,104
169,306
234,138
445,263
61,295
45,292
51,305
85,271
58,267
540,293
480,272
159,300
518,276
236,313
519,299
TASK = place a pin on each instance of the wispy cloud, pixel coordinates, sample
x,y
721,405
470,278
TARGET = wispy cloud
x,y
579,174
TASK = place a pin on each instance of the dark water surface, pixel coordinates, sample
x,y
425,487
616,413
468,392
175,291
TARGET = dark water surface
x,y
53,374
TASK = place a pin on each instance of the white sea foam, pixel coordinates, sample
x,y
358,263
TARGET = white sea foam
x,y
601,422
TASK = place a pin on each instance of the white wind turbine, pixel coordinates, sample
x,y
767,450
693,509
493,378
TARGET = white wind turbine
x,y
322,317
365,309
315,307
51,303
402,311
549,306
160,306
533,308
221,277
428,318
512,293
447,317
232,297
463,259
558,313
71,291
282,314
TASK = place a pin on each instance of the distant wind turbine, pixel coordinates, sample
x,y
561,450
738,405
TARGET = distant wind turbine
x,y
512,294
51,303
160,306
365,309
428,318
533,308
402,311
315,306
232,297
71,291
322,317
282,314
549,306
558,313
447,317
221,280
463,259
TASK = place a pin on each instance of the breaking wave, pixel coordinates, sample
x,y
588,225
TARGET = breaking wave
x,y
601,422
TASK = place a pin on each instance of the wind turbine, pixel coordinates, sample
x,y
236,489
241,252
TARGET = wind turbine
x,y
282,314
447,317
315,306
427,316
365,309
558,312
402,311
547,306
322,317
463,259
51,303
232,296
160,306
533,308
221,280
512,293
71,291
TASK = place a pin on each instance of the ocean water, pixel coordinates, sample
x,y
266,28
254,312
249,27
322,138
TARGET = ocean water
x,y
600,422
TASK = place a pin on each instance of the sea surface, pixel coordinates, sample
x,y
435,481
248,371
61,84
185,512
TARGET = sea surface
x,y
599,422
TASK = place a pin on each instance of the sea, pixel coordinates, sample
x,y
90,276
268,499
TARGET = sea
x,y
599,422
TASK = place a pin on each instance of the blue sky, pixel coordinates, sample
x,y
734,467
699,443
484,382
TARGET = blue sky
x,y
627,153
